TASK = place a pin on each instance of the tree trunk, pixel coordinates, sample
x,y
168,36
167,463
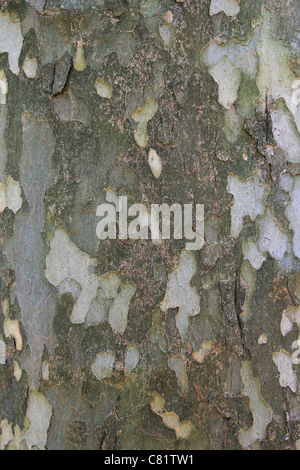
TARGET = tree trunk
x,y
116,342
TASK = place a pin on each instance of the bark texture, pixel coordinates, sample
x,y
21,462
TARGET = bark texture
x,y
130,344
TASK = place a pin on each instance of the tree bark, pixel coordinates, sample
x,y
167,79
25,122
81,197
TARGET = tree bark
x,y
141,344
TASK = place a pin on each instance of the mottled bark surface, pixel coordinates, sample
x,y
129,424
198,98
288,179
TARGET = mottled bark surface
x,y
130,344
